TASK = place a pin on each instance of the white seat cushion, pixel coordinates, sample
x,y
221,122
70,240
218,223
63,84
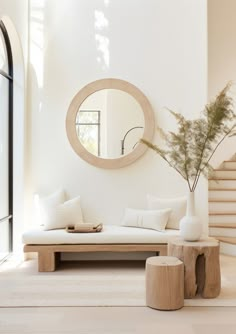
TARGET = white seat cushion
x,y
111,234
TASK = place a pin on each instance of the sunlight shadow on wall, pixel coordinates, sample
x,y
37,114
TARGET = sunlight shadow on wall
x,y
101,24
36,38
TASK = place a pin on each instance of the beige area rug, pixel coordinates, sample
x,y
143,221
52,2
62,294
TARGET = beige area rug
x,y
94,284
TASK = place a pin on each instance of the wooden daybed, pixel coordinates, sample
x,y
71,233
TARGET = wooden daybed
x,y
50,244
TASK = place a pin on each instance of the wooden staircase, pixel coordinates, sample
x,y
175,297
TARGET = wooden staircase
x,y
222,205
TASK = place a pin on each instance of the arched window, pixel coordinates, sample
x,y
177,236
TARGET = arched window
x,y
6,144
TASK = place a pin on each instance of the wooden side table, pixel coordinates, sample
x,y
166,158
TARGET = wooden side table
x,y
201,266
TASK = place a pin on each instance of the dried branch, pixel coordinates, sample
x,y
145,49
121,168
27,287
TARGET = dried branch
x,y
190,149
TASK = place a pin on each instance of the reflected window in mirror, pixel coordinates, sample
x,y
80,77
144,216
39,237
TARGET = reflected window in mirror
x,y
88,126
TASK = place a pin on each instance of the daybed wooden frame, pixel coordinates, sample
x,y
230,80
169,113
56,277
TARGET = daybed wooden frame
x,y
49,255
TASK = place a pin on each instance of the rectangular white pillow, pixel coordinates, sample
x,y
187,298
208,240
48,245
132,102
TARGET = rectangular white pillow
x,y
63,214
151,219
177,205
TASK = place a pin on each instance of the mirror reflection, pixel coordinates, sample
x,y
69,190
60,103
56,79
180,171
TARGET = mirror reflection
x,y
109,123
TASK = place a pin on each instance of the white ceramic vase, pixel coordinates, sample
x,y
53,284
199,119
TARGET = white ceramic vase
x,y
190,225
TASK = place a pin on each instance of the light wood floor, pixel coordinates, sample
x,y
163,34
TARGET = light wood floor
x,y
114,320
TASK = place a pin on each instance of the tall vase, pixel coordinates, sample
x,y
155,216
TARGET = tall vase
x,y
190,225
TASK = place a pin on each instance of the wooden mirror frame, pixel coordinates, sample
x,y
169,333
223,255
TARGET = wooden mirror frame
x,y
149,123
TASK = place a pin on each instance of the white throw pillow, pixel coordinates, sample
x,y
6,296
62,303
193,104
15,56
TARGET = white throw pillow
x,y
61,215
152,219
177,205
45,204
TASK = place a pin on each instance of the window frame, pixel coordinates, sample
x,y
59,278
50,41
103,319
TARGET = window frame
x,y
9,75
98,124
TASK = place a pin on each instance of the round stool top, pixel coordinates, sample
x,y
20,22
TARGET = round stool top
x,y
163,261
207,242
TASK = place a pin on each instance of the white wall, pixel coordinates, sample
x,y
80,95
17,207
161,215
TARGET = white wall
x,y
15,17
222,60
157,45
17,12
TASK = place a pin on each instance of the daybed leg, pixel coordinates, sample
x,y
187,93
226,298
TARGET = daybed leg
x,y
162,250
46,261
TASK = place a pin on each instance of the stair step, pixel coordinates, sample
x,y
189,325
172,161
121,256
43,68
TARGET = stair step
x,y
222,219
229,240
222,189
221,194
229,165
221,200
233,158
222,232
223,225
222,206
226,248
222,213
222,184
224,174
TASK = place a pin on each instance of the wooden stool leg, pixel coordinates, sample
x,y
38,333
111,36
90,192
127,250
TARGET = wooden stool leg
x,y
46,261
201,264
212,276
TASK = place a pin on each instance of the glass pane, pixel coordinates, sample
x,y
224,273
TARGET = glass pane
x,y
4,83
88,136
87,117
3,54
4,239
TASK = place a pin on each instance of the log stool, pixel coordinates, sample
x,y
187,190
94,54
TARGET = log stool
x,y
201,266
164,283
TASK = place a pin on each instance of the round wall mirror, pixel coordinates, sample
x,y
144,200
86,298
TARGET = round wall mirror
x,y
106,120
